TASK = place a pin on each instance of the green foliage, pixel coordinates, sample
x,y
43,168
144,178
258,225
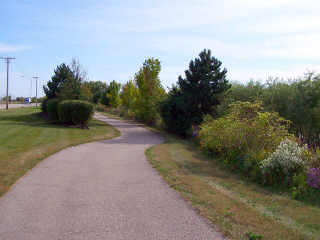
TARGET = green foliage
x,y
129,95
196,95
113,94
252,236
44,103
244,137
175,113
100,107
20,99
61,75
150,91
252,91
70,89
66,82
85,92
52,109
104,100
286,161
299,186
297,100
75,112
301,190
99,91
205,81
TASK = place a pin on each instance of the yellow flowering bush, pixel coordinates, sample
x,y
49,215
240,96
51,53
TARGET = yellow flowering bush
x,y
245,136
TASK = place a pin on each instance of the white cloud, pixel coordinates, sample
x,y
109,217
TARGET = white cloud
x,y
170,15
4,48
283,24
292,47
244,74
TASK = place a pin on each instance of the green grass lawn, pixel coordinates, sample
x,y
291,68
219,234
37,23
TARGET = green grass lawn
x,y
236,206
26,138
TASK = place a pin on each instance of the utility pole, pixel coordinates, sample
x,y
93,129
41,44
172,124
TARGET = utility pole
x,y
30,89
36,78
8,63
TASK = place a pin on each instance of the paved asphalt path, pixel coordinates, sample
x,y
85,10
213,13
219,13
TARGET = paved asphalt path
x,y
16,105
102,190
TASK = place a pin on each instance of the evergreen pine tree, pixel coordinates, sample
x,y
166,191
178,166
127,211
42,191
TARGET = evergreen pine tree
x,y
203,83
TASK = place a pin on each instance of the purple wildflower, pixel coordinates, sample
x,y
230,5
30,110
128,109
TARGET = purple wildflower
x,y
314,177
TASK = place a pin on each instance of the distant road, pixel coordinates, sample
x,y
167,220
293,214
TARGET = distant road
x,y
3,105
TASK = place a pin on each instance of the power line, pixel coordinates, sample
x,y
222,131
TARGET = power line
x,y
8,63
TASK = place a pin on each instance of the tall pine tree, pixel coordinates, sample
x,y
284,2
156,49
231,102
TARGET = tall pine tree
x,y
196,95
205,80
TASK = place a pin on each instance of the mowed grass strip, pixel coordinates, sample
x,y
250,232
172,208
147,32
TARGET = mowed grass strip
x,y
26,138
237,207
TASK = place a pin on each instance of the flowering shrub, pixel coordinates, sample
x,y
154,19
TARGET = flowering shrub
x,y
244,137
314,161
313,178
281,165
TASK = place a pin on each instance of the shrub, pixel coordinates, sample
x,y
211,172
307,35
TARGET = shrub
x,y
127,113
44,105
175,113
313,176
299,186
52,109
284,163
306,186
100,107
75,112
244,137
314,161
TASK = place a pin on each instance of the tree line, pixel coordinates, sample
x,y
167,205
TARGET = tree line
x,y
204,89
297,100
257,129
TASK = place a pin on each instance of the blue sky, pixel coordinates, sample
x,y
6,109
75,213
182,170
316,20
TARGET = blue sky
x,y
253,38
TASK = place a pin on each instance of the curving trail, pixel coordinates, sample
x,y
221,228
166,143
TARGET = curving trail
x,y
102,190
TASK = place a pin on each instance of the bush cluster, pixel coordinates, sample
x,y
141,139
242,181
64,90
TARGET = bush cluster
x,y
313,178
287,161
74,112
297,100
44,105
52,109
175,113
244,137
258,144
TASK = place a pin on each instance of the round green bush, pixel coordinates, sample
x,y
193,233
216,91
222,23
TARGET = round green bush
x,y
75,112
52,109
